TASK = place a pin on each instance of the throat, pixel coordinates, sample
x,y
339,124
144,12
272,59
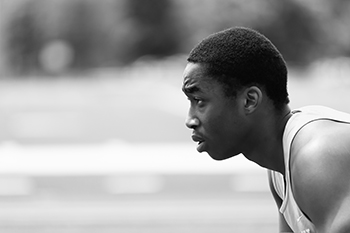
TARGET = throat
x,y
269,158
268,145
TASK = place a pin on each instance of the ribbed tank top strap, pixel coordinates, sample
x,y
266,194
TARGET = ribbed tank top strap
x,y
293,126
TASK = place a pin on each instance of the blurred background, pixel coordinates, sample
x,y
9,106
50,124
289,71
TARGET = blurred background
x,y
92,135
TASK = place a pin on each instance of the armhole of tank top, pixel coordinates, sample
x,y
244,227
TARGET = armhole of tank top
x,y
273,175
289,157
287,178
287,147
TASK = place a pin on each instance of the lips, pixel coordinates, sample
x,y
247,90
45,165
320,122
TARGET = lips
x,y
200,141
197,138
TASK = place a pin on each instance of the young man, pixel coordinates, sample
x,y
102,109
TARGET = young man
x,y
236,82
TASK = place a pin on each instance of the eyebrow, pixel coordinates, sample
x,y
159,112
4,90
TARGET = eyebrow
x,y
190,89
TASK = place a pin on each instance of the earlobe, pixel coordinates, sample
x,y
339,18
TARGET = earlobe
x,y
253,98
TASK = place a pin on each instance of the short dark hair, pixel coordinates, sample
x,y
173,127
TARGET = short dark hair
x,y
238,57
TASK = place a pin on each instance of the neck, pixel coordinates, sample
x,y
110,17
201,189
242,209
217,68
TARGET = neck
x,y
267,140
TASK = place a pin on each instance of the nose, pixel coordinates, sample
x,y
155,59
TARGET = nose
x,y
192,122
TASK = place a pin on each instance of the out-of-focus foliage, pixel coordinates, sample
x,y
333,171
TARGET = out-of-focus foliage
x,y
295,31
109,33
24,39
289,24
155,30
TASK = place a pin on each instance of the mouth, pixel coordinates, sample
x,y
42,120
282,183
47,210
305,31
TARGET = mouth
x,y
200,142
197,138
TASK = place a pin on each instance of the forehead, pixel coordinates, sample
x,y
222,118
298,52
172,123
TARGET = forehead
x,y
196,79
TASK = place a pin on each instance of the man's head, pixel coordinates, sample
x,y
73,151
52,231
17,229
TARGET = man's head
x,y
227,80
239,57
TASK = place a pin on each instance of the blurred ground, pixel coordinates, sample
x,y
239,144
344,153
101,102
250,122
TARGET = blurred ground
x,y
156,214
109,152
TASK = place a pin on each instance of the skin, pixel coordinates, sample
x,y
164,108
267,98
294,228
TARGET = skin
x,y
321,170
283,226
230,126
249,124
215,120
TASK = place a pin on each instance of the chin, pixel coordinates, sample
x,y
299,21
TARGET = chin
x,y
219,156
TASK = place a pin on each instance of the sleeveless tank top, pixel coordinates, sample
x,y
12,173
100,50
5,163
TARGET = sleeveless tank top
x,y
295,218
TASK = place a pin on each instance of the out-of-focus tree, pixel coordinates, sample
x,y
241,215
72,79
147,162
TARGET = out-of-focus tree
x,y
81,31
23,39
90,33
295,31
98,33
339,22
291,26
154,29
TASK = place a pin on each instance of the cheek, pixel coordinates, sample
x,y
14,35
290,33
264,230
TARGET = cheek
x,y
218,124
227,128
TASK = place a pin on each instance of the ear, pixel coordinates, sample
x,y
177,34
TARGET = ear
x,y
253,97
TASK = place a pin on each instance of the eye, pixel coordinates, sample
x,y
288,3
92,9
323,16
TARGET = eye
x,y
198,100
193,99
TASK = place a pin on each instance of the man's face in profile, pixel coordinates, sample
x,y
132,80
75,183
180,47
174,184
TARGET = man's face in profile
x,y
213,117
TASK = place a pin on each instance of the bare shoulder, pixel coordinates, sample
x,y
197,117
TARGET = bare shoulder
x,y
320,162
322,145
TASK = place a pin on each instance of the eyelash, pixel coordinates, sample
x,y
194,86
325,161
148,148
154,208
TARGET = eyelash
x,y
197,100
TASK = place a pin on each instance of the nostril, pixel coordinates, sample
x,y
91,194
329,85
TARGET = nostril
x,y
192,123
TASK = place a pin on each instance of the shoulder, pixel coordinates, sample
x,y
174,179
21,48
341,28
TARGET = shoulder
x,y
320,161
320,143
